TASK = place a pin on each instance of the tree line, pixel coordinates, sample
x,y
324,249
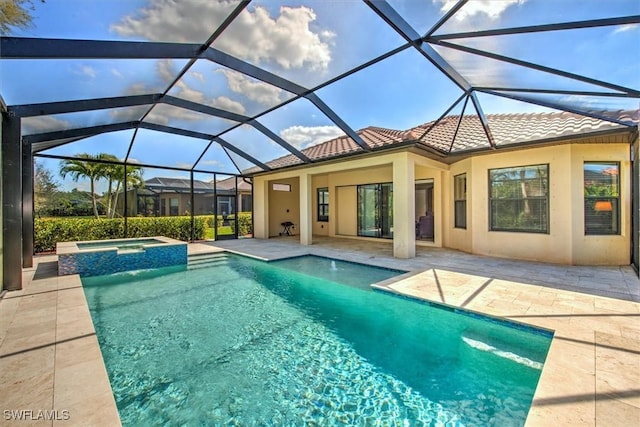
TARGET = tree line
x,y
50,201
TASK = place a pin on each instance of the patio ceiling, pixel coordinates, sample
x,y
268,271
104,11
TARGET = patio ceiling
x,y
228,86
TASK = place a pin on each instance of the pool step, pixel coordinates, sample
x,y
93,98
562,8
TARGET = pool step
x,y
206,260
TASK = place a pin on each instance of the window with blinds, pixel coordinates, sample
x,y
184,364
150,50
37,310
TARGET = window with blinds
x,y
460,200
323,204
601,198
519,199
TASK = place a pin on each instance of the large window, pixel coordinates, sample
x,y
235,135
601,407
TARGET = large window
x,y
323,204
460,200
375,210
519,199
174,206
246,202
601,198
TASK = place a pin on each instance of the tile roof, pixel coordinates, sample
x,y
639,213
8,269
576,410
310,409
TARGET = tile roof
x,y
506,129
180,184
509,129
229,184
175,183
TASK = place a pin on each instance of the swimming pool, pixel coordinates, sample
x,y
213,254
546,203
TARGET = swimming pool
x,y
247,342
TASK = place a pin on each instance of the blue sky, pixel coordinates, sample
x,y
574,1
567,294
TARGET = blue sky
x,y
306,42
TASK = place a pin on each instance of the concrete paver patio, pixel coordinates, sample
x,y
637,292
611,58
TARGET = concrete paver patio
x,y
50,358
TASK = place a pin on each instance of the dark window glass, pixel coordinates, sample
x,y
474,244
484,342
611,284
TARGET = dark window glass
x,y
460,200
519,199
174,206
323,204
601,198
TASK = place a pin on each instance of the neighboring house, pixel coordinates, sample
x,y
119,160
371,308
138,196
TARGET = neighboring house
x,y
172,196
552,187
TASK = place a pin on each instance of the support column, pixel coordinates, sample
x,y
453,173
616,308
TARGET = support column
x,y
404,230
260,208
125,203
11,202
192,208
27,206
635,203
306,210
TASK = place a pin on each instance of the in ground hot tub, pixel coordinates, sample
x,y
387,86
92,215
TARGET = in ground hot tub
x,y
99,257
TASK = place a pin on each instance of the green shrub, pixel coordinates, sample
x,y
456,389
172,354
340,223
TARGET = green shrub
x,y
244,222
49,231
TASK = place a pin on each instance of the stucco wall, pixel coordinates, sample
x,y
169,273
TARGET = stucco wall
x,y
552,247
283,205
458,238
347,219
565,243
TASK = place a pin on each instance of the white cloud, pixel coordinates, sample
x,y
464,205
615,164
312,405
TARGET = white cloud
x,y
40,124
210,163
491,8
625,28
116,73
184,165
197,75
86,71
163,114
128,114
166,70
255,90
286,39
307,136
225,103
184,91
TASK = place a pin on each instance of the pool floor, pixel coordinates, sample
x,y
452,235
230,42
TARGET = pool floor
x,y
245,342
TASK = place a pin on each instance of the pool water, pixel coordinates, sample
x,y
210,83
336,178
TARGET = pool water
x,y
246,342
120,244
347,273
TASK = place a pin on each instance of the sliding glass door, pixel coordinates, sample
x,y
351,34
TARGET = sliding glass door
x,y
375,210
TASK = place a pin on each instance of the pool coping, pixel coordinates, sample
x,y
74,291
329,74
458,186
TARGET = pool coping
x,y
66,248
590,376
57,375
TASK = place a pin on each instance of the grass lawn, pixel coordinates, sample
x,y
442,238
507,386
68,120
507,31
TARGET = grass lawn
x,y
222,231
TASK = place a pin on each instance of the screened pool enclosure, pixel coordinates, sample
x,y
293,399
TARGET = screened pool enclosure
x,y
214,93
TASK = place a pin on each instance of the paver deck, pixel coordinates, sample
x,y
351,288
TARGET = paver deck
x,y
50,359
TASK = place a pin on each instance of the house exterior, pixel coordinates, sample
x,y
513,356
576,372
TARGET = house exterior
x,y
161,196
550,187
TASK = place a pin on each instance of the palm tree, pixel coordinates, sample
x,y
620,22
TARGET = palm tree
x,y
115,174
111,172
86,168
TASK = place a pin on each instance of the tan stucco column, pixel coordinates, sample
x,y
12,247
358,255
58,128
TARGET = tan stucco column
x,y
404,230
260,208
306,214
